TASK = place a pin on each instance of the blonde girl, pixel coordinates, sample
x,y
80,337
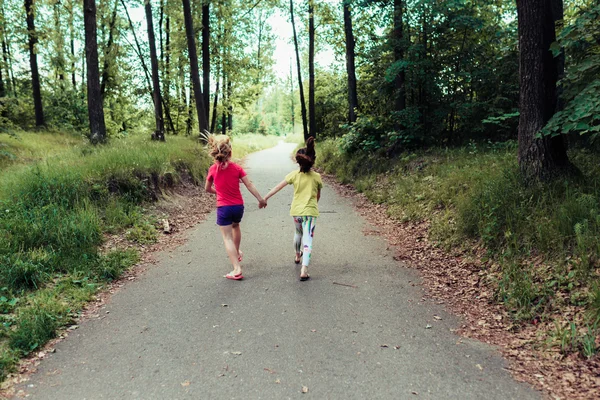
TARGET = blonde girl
x,y
223,179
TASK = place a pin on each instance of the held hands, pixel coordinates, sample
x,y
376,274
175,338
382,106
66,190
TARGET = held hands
x,y
262,203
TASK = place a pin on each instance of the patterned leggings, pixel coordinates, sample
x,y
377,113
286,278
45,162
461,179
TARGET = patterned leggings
x,y
305,230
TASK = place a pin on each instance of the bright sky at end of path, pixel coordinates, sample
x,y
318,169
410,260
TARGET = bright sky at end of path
x,y
284,47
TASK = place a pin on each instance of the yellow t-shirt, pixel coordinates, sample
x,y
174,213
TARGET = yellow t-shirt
x,y
306,186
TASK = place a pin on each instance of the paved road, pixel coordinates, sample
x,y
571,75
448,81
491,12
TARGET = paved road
x,y
169,334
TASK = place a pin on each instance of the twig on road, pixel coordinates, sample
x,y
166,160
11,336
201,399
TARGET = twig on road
x,y
345,284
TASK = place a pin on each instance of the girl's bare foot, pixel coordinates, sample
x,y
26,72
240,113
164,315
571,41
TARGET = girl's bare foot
x,y
298,258
304,273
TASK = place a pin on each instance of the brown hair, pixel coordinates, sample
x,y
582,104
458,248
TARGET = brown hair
x,y
306,156
220,148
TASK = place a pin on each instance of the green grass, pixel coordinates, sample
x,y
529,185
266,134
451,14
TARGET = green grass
x,y
545,238
25,147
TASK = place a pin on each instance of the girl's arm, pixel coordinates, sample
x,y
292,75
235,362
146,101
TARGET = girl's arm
x,y
276,189
318,195
261,202
209,186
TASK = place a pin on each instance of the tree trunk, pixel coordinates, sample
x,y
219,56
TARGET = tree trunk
x,y
107,60
159,134
94,96
59,56
292,96
2,87
35,75
398,45
224,106
6,63
206,54
302,102
167,85
194,71
350,68
229,106
72,43
213,123
546,157
312,120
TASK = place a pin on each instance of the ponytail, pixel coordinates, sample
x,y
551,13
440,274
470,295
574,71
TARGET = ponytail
x,y
305,157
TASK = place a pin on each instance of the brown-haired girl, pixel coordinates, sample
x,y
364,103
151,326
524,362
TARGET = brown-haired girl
x,y
307,192
223,179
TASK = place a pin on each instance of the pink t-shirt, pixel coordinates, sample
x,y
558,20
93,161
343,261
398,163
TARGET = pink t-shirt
x,y
227,183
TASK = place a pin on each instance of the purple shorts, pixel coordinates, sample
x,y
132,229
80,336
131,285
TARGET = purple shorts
x,y
227,215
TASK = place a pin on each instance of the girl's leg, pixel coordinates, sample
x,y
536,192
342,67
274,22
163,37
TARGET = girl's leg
x,y
298,238
227,232
237,238
308,231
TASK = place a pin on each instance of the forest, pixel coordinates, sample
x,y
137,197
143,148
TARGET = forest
x,y
479,117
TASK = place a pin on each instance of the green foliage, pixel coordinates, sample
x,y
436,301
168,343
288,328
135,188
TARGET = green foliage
x,y
581,94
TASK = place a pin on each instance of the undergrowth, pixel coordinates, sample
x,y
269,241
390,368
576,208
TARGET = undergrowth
x,y
543,238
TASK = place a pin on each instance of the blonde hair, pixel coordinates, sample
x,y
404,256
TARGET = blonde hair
x,y
220,148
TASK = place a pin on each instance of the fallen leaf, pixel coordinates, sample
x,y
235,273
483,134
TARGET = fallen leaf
x,y
397,347
304,389
269,370
428,326
278,381
236,353
224,305
185,383
479,366
437,317
384,345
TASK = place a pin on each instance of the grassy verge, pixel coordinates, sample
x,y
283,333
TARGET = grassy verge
x,y
543,241
53,217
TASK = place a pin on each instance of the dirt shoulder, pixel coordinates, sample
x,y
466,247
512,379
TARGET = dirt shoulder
x,y
462,283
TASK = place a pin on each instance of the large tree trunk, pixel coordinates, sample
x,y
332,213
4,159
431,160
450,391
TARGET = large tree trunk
x,y
159,134
195,73
350,68
35,75
546,157
397,39
302,102
95,110
312,120
206,54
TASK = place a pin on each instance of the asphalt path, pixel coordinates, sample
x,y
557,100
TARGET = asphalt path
x,y
182,331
